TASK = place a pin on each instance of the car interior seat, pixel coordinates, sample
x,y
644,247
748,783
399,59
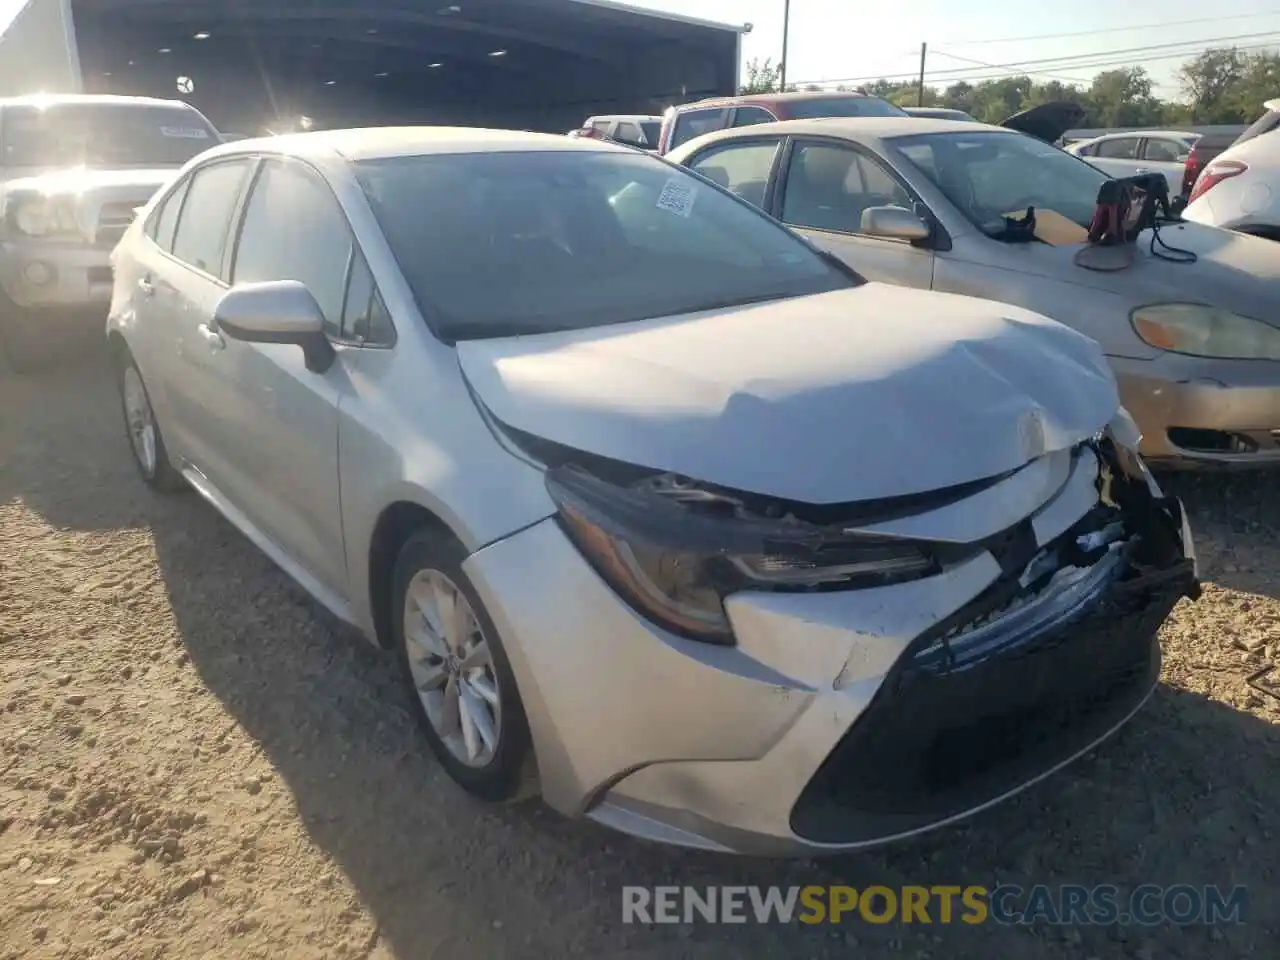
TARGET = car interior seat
x,y
817,192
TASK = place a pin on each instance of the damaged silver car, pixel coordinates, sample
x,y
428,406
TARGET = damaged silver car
x,y
665,514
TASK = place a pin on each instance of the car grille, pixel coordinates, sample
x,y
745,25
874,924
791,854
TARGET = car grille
x,y
113,220
947,734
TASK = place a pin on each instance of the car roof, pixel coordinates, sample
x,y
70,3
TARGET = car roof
x,y
767,98
87,99
1182,134
372,143
854,128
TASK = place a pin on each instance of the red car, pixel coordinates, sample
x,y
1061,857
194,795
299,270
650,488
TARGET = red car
x,y
690,120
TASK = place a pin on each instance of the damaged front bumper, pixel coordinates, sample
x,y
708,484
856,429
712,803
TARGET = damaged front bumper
x,y
843,719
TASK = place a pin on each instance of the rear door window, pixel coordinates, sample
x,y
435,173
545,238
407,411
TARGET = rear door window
x,y
1121,148
201,236
1164,150
165,218
741,168
694,123
749,116
629,132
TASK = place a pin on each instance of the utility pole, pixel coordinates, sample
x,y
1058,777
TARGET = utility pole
x,y
924,49
786,25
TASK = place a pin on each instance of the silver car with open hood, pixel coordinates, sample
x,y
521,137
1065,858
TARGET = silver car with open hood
x,y
663,513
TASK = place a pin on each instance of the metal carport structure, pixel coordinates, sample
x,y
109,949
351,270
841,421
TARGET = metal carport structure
x,y
252,65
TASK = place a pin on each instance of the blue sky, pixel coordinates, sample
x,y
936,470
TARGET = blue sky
x,y
832,39
836,39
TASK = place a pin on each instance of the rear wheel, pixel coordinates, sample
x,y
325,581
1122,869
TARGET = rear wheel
x,y
149,453
455,669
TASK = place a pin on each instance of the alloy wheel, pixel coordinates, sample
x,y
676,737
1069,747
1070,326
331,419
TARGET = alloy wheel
x,y
452,667
140,421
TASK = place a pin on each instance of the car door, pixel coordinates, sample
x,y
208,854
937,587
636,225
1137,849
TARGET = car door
x,y
185,283
824,188
743,167
152,344
1167,156
1117,156
283,468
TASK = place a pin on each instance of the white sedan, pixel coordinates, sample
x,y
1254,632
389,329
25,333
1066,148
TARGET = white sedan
x,y
1138,152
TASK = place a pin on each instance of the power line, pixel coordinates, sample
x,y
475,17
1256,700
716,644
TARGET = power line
x,y
996,66
1091,33
1128,61
980,77
1105,64
1076,61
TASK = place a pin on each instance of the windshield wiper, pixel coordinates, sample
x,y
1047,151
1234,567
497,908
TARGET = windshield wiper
x,y
486,330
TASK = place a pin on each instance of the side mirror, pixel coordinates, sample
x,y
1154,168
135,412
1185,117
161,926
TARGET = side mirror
x,y
276,311
894,223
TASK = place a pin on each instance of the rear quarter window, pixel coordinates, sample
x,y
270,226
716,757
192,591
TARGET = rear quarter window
x,y
694,123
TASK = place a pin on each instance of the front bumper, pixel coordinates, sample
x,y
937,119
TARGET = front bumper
x,y
1216,414
833,724
47,276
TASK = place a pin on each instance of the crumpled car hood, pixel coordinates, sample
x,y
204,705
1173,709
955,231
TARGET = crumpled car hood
x,y
1232,271
858,394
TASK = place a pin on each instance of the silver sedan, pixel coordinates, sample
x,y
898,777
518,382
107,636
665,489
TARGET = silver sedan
x,y
663,512
926,203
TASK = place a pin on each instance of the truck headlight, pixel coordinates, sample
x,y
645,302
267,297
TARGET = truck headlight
x,y
41,216
1200,330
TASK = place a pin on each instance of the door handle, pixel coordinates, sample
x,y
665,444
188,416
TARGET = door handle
x,y
1143,170
146,286
212,337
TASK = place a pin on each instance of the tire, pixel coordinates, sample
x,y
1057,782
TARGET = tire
x,y
503,772
155,468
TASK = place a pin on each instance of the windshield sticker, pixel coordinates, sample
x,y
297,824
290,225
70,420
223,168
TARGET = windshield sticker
x,y
185,133
677,197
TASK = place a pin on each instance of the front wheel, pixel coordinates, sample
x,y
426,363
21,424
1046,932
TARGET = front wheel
x,y
149,453
459,679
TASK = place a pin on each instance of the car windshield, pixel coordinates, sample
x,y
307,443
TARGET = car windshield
x,y
103,135
498,244
652,131
991,175
821,107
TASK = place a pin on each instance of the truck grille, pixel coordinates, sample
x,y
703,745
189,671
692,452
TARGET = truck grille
x,y
113,220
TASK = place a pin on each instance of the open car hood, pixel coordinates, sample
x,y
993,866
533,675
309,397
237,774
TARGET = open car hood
x,y
858,394
1048,121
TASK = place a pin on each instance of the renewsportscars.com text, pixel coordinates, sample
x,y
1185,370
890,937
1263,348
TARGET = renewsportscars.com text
x,y
1066,904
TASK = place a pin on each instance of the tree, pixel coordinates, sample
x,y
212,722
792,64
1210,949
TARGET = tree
x,y
762,77
1210,78
1123,98
1226,86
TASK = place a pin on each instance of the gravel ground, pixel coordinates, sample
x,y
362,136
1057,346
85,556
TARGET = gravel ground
x,y
196,761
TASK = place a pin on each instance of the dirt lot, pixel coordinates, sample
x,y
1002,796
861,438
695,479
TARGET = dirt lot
x,y
196,761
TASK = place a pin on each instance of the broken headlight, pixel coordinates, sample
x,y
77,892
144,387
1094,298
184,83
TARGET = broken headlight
x,y
675,559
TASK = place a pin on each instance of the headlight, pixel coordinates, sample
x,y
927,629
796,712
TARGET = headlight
x,y
675,563
1204,331
40,216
